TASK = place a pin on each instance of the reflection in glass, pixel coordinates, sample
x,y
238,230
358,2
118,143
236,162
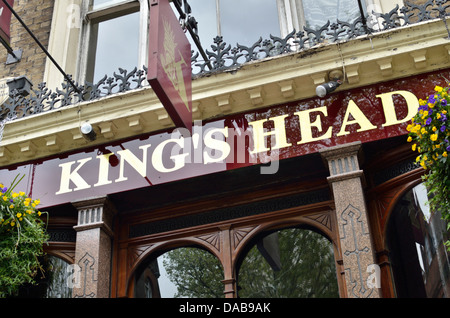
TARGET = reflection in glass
x,y
204,13
415,238
316,15
97,4
244,22
114,45
54,280
183,272
291,263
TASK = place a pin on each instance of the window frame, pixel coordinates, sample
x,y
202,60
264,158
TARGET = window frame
x,y
90,18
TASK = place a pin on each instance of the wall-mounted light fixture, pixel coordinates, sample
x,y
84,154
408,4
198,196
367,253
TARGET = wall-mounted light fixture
x,y
336,78
22,84
88,132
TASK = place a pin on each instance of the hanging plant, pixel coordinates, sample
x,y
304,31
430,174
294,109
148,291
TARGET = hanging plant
x,y
22,236
429,133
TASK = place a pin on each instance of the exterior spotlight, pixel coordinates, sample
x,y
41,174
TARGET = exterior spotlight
x,y
336,78
324,89
88,132
22,84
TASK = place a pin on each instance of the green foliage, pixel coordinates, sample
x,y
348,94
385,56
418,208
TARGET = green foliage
x,y
429,132
195,272
307,270
22,235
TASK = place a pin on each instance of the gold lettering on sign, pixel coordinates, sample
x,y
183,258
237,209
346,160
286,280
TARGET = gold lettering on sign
x,y
219,149
306,125
387,101
139,165
358,118
259,134
67,176
172,67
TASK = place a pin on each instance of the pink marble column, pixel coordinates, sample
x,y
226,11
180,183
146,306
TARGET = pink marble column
x,y
346,180
93,248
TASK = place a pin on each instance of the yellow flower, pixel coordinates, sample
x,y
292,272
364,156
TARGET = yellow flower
x,y
39,213
438,89
414,147
445,154
11,206
422,163
15,195
434,128
444,112
5,198
431,106
438,115
423,131
438,146
409,139
434,137
418,158
19,215
13,223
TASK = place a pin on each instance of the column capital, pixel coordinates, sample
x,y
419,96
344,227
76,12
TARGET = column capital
x,y
340,151
343,162
94,213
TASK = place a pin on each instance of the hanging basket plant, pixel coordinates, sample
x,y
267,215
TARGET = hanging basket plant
x,y
22,237
429,133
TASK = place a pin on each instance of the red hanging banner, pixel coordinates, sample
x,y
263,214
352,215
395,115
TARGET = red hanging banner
x,y
5,21
169,66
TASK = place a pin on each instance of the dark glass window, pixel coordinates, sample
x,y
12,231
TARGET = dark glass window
x,y
291,263
184,272
415,238
55,280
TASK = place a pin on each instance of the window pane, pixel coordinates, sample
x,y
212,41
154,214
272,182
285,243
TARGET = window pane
x,y
183,272
318,12
417,253
54,281
97,4
114,44
292,263
204,12
244,22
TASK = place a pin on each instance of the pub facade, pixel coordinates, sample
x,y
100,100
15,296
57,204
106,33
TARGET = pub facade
x,y
275,190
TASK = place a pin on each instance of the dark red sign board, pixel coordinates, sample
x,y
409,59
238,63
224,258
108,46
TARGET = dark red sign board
x,y
165,157
5,20
169,66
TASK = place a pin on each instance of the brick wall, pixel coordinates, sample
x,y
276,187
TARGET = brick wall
x,y
37,15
